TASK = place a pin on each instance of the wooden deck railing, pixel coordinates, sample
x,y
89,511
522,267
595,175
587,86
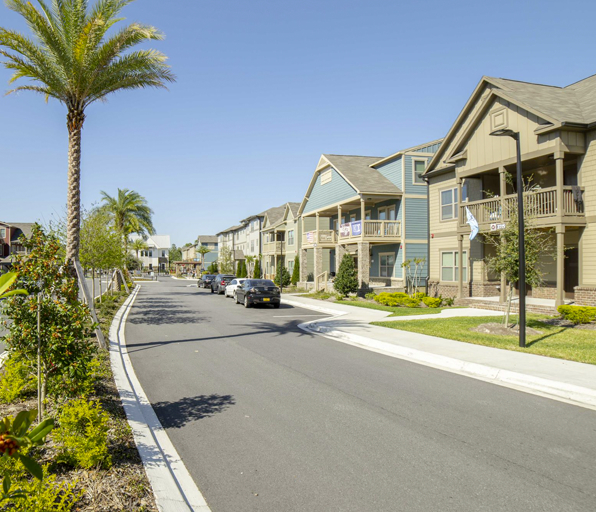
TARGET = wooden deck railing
x,y
539,204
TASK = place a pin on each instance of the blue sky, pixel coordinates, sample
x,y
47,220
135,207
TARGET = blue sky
x,y
265,87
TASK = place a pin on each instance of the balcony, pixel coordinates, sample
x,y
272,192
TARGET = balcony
x,y
272,247
379,231
541,205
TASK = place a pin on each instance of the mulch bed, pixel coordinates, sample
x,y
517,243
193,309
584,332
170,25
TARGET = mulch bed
x,y
122,488
561,322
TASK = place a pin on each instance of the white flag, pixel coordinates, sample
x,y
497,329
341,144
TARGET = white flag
x,y
473,224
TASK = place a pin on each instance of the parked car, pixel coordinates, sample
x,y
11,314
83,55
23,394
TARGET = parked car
x,y
231,288
258,291
205,281
220,282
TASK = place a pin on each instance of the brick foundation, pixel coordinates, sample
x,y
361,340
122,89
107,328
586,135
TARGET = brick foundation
x,y
585,295
484,289
545,292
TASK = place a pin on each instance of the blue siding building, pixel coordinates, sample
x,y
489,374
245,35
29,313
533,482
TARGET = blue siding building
x,y
375,209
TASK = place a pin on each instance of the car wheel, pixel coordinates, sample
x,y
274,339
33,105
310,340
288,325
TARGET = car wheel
x,y
236,298
276,306
246,304
212,290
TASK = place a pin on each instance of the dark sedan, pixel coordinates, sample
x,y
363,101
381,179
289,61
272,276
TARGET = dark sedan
x,y
258,291
218,285
205,281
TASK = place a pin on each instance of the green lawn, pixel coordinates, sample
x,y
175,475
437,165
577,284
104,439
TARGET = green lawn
x,y
395,310
561,342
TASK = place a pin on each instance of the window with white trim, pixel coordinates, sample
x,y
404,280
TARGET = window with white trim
x,y
386,264
2,232
291,237
419,166
291,266
449,204
450,266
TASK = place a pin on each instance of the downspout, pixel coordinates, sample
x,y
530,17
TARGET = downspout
x,y
427,234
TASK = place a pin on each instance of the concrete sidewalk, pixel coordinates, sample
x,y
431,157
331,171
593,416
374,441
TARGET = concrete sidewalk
x,y
555,378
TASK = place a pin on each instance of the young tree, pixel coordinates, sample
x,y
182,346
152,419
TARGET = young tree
x,y
282,276
226,260
60,355
212,269
73,60
250,261
346,279
175,254
538,242
296,271
138,245
202,250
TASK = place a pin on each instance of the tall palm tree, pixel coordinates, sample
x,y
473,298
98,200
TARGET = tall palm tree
x,y
202,250
129,212
138,244
73,60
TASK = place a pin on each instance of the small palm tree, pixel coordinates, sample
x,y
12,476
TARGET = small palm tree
x,y
71,59
130,213
139,245
202,251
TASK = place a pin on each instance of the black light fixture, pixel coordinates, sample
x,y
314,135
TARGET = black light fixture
x,y
522,242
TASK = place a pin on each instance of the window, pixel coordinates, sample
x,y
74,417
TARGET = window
x,y
163,254
387,213
151,254
367,215
326,177
352,217
291,237
291,266
419,168
386,264
449,204
252,246
3,233
450,266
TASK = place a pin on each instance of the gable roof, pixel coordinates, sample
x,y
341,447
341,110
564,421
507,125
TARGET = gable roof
x,y
413,149
573,105
207,239
19,228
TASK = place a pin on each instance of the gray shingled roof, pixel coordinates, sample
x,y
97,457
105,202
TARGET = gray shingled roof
x,y
357,170
575,103
233,228
294,207
207,239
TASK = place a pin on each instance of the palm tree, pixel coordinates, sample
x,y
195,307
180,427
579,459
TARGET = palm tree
x,y
72,60
202,251
129,212
139,245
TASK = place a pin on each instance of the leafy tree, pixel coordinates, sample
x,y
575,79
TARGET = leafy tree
x,y
72,59
296,271
250,262
202,250
212,269
60,356
226,260
257,270
129,212
175,254
538,242
242,269
282,276
346,279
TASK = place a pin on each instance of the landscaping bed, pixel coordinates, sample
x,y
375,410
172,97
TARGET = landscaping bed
x,y
117,481
556,339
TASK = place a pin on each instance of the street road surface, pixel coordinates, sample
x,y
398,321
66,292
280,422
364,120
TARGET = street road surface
x,y
268,418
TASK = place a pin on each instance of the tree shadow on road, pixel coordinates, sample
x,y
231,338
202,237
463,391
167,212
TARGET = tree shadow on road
x,y
191,408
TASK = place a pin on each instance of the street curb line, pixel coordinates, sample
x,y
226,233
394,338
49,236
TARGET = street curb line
x,y
174,488
577,395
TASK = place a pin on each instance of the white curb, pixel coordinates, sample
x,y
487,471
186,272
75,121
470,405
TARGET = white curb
x,y
174,488
576,395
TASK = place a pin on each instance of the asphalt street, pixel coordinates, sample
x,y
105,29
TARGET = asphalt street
x,y
268,418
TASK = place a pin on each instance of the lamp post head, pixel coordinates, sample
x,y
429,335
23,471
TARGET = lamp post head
x,y
505,132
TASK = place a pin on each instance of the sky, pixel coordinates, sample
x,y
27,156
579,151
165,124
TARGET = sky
x,y
264,87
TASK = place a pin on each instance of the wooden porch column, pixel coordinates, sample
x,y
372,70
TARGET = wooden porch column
x,y
560,300
503,193
460,264
338,222
559,161
362,211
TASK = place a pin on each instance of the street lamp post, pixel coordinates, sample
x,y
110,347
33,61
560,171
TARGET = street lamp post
x,y
521,230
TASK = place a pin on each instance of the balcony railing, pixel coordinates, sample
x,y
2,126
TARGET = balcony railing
x,y
540,204
359,231
272,247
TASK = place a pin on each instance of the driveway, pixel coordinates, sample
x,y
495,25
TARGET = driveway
x,y
268,418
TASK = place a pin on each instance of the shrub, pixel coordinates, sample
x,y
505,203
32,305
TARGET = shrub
x,y
257,270
212,269
432,302
370,295
296,271
17,380
578,314
48,495
346,280
419,295
447,301
397,300
282,276
83,435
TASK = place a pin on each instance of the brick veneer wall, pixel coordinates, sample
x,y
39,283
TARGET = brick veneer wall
x,y
545,292
585,295
435,288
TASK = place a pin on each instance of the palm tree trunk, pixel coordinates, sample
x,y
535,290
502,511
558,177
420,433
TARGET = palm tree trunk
x,y
74,122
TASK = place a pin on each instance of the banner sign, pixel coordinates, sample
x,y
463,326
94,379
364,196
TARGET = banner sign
x,y
310,237
497,227
344,230
356,228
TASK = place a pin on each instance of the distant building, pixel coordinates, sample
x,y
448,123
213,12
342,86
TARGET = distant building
x,y
211,243
10,245
156,256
